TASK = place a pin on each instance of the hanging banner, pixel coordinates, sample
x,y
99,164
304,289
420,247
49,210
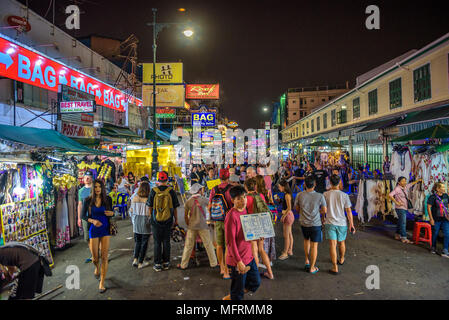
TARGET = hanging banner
x,y
166,95
202,91
169,72
25,65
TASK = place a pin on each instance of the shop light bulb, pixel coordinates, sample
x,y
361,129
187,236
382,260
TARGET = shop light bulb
x,y
10,51
95,86
19,191
62,72
188,33
38,62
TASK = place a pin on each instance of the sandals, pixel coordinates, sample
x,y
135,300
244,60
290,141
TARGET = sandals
x,y
406,241
178,266
317,269
283,257
307,267
335,273
341,263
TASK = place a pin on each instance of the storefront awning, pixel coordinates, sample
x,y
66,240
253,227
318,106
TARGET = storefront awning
x,y
44,138
436,132
426,115
379,125
117,132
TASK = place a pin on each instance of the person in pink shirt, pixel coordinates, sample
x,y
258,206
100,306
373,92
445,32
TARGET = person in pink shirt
x,y
399,197
239,257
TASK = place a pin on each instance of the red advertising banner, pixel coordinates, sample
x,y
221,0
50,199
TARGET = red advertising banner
x,y
202,91
25,65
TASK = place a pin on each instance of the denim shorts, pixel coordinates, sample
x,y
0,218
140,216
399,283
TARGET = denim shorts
x,y
336,232
312,233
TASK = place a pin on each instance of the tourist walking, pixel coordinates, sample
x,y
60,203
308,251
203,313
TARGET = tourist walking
x,y
287,219
140,217
335,224
437,206
311,206
97,210
195,218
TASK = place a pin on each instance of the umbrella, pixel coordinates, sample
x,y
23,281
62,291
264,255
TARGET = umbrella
x,y
438,131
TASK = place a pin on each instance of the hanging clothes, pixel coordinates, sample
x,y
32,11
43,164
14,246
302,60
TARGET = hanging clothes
x,y
401,162
360,200
62,220
72,206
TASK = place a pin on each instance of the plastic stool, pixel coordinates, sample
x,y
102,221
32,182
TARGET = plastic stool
x,y
427,233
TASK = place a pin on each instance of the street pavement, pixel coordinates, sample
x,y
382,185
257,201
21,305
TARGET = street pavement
x,y
406,272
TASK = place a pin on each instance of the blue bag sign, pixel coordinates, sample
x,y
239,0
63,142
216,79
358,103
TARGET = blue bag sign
x,y
205,119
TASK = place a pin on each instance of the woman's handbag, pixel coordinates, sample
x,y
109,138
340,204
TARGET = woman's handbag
x,y
409,203
113,229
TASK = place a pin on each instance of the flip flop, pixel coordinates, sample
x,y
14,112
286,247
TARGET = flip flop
x,y
227,278
307,267
178,266
340,264
102,290
334,273
281,257
314,271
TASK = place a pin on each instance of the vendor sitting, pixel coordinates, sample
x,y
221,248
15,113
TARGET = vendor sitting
x,y
113,194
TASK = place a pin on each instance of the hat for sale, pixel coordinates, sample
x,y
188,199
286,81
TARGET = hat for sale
x,y
224,174
88,173
162,176
195,188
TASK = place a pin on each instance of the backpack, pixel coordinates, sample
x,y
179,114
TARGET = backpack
x,y
219,206
259,205
163,204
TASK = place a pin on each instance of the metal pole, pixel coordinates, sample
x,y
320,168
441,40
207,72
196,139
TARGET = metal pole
x,y
154,163
15,99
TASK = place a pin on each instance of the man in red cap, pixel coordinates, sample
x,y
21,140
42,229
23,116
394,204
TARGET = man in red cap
x,y
221,189
162,199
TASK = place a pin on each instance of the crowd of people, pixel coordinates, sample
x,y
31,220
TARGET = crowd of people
x,y
317,192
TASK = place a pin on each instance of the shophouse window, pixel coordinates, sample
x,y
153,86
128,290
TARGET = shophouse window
x,y
356,108
318,124
35,96
311,100
333,117
297,132
325,121
341,116
421,83
303,133
312,125
372,102
395,94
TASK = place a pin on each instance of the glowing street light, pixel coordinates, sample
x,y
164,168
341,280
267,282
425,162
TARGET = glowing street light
x,y
188,33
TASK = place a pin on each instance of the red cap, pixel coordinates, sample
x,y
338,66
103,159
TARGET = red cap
x,y
163,176
224,174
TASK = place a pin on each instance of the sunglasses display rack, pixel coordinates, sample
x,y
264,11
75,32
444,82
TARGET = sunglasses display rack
x,y
25,221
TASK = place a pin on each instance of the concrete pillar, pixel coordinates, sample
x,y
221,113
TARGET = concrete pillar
x,y
350,150
365,152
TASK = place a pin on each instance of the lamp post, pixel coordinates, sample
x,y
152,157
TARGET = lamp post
x,y
156,29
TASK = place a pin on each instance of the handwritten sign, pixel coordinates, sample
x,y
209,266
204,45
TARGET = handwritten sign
x,y
257,225
213,183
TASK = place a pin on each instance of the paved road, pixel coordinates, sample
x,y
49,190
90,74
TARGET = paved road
x,y
406,272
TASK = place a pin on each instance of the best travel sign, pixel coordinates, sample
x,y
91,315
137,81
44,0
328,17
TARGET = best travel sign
x,y
25,65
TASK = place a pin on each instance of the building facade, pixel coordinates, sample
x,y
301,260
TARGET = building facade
x,y
406,94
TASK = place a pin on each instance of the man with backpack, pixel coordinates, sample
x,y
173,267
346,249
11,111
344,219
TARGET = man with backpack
x,y
195,218
219,204
162,203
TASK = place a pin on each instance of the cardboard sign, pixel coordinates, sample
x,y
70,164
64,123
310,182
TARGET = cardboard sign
x,y
257,225
213,183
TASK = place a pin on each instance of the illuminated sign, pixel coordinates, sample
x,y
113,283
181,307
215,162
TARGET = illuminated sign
x,y
17,21
25,65
77,131
77,106
202,91
170,72
166,95
203,119
233,124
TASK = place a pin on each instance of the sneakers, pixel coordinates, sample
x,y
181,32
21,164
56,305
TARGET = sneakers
x,y
166,265
134,264
445,255
157,267
433,250
143,265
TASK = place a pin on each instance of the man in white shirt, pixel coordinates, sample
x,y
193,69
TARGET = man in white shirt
x,y
335,224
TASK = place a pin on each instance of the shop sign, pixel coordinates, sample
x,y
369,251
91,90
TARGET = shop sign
x,y
170,72
166,95
232,124
203,119
26,65
16,21
77,131
77,106
202,91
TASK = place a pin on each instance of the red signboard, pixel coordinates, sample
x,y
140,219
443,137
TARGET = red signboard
x,y
25,65
17,21
165,111
77,131
202,91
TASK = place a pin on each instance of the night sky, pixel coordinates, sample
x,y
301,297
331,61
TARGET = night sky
x,y
258,49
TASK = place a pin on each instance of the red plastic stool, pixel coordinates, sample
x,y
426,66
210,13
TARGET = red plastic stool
x,y
427,233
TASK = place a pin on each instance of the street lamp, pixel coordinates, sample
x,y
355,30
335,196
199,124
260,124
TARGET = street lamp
x,y
156,29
